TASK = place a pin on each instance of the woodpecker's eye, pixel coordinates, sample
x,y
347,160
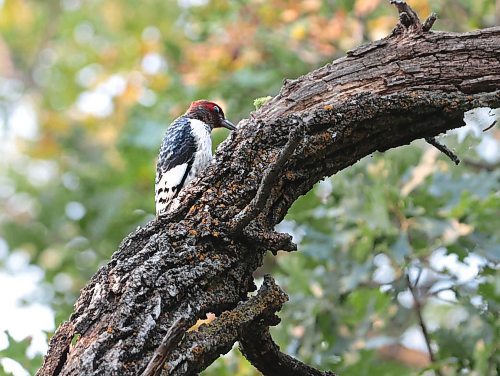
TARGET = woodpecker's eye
x,y
217,109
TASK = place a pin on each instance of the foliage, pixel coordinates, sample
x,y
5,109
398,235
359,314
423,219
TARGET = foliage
x,y
86,89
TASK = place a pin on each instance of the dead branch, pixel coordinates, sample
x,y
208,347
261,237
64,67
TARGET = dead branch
x,y
443,149
265,355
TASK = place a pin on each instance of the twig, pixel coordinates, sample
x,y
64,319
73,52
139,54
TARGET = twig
x,y
443,149
417,280
408,19
436,292
490,126
258,347
171,339
250,211
429,22
407,16
423,326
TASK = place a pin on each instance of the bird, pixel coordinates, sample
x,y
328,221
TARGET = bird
x,y
186,150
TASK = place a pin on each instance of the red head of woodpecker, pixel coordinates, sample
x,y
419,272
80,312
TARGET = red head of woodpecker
x,y
210,113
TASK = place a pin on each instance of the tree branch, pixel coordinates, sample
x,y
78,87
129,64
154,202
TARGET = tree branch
x,y
407,16
443,149
199,349
429,22
490,126
418,311
266,185
265,355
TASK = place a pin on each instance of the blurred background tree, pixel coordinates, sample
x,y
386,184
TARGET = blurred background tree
x,y
86,91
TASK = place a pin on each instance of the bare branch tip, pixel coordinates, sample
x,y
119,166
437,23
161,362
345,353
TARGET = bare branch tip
x,y
408,18
443,149
429,22
490,126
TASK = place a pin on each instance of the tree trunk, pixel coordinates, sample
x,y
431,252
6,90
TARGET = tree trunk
x,y
200,258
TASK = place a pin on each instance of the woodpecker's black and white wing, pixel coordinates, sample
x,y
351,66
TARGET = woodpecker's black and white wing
x,y
176,158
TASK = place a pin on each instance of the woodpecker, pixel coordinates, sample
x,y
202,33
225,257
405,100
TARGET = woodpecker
x,y
186,150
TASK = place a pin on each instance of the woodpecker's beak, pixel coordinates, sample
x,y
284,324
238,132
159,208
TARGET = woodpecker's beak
x,y
227,124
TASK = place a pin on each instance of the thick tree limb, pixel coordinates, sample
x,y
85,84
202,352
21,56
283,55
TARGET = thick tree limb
x,y
413,84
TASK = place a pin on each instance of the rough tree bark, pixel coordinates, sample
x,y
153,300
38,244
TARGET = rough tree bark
x,y
413,84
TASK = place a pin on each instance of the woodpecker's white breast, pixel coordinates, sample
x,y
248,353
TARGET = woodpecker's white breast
x,y
185,152
203,155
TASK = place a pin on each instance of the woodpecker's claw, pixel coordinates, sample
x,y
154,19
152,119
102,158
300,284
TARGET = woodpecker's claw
x,y
227,124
